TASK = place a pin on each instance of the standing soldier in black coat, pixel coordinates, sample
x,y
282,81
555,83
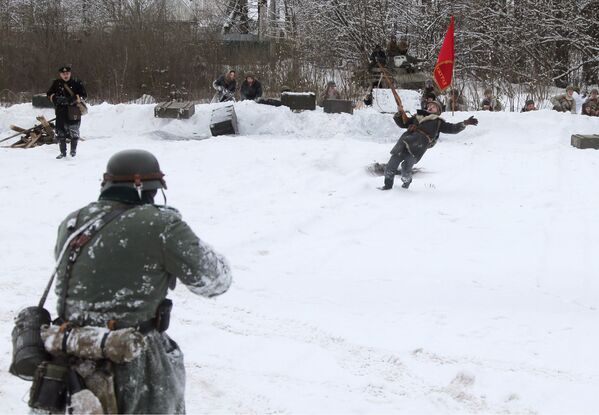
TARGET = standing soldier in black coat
x,y
251,88
65,93
423,133
225,86
378,56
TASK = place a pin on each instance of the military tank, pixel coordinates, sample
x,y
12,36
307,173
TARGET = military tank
x,y
405,72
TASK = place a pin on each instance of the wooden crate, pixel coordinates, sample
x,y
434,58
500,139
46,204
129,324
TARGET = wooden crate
x,y
223,121
174,109
41,101
298,101
585,141
336,106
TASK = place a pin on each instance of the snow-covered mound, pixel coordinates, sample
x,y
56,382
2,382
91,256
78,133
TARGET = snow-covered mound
x,y
474,291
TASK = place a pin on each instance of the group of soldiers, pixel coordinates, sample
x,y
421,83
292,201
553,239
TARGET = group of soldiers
x,y
566,103
395,48
123,286
455,100
226,85
251,89
562,102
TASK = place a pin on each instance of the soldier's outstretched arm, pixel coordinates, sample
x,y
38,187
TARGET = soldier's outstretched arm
x,y
193,262
450,128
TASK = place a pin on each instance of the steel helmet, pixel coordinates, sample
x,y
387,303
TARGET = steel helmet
x,y
136,169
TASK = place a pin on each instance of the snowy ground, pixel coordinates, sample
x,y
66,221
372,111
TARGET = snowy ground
x,y
475,291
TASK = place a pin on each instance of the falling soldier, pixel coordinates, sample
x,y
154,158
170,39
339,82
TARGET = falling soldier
x,y
422,134
67,94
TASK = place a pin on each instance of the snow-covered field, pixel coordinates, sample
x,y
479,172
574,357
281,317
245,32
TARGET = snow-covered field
x,y
475,291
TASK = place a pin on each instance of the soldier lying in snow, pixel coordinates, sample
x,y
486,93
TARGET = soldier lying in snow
x,y
565,102
529,105
591,105
490,103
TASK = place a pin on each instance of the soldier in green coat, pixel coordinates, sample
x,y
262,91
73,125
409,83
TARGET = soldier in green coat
x,y
120,278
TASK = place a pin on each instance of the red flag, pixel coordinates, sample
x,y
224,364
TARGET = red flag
x,y
443,72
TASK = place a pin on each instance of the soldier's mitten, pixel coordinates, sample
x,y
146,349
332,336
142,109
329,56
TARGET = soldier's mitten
x,y
85,402
471,121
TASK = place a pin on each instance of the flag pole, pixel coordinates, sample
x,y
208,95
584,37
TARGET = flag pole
x,y
452,73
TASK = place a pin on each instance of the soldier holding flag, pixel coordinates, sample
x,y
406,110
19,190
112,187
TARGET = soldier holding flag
x,y
423,129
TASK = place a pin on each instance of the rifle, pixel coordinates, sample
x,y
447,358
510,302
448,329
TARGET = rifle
x,y
25,132
384,72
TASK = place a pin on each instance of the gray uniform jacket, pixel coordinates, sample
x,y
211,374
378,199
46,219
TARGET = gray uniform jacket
x,y
123,273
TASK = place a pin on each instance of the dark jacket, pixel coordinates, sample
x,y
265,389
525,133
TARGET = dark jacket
x,y
57,89
378,56
229,85
252,91
423,132
393,49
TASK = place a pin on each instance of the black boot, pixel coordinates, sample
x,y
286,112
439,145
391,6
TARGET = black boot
x,y
406,182
74,147
62,144
388,184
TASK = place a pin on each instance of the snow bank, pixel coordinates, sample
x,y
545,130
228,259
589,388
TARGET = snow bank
x,y
475,291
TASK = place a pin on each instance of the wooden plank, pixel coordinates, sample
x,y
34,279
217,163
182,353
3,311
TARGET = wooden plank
x,y
46,125
17,129
33,139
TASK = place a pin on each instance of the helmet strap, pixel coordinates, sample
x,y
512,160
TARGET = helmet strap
x,y
163,195
138,184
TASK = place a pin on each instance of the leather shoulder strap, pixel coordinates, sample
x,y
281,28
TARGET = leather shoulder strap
x,y
79,242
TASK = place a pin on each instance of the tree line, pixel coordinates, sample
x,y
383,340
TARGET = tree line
x,y
123,49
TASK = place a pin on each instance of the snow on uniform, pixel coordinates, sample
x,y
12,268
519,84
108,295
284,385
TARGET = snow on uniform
x,y
564,103
123,274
